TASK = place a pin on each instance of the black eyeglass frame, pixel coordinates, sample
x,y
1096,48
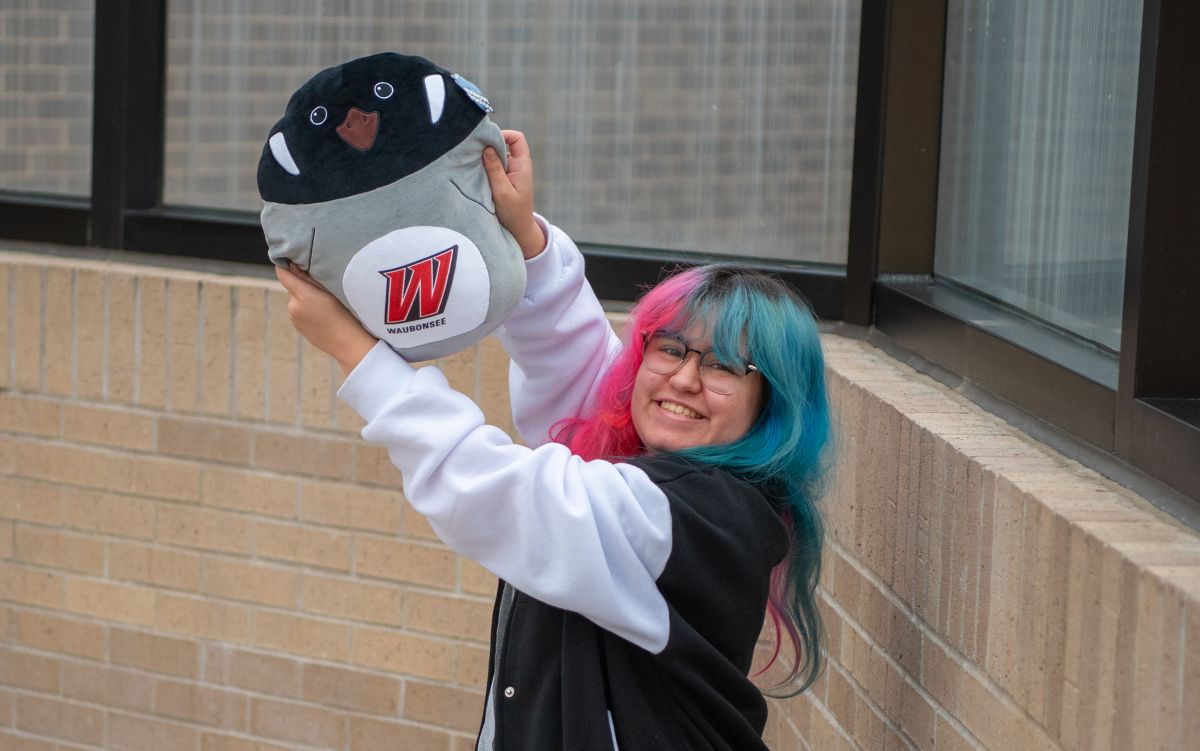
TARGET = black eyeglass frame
x,y
700,354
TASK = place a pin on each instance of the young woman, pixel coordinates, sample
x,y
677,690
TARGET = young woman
x,y
664,503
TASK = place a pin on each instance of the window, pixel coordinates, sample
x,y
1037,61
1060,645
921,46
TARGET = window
x,y
46,96
713,127
1037,157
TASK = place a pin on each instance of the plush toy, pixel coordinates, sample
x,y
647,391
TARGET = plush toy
x,y
373,182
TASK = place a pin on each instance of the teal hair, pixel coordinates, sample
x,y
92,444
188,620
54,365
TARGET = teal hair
x,y
757,317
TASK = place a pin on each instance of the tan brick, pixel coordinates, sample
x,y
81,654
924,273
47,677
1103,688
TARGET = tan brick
x,y
120,292
203,528
316,547
251,582
6,378
283,361
475,579
250,352
265,674
58,719
449,616
1190,694
107,427
472,666
166,567
941,675
205,618
183,344
27,300
31,586
153,350
155,653
951,738
89,322
455,708
342,505
130,733
112,514
216,742
12,742
208,440
307,455
58,315
355,690
107,686
431,565
369,734
249,491
29,671
165,478
398,652
316,387
115,602
343,597
53,633
299,723
29,415
30,501
373,467
294,634
6,539
461,370
84,467
200,704
55,549
216,361
492,396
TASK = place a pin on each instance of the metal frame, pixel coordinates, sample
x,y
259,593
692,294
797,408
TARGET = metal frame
x,y
1142,406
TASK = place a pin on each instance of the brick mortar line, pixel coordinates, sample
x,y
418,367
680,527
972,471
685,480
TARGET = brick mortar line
x,y
202,682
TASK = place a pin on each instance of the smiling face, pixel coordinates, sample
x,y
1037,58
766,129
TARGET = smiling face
x,y
675,411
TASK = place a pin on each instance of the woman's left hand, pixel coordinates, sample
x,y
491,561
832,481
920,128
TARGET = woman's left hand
x,y
323,320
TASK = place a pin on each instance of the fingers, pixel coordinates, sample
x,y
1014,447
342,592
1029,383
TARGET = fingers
x,y
497,177
517,145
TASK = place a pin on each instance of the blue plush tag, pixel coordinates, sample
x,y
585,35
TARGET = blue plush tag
x,y
473,91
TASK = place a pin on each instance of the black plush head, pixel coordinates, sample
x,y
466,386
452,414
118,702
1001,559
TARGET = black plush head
x,y
365,124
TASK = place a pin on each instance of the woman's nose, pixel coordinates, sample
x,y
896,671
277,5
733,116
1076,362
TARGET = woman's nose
x,y
687,378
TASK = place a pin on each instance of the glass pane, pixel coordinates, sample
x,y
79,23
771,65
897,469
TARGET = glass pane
x,y
46,96
722,127
1036,156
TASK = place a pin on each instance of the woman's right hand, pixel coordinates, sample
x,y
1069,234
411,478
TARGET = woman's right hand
x,y
512,192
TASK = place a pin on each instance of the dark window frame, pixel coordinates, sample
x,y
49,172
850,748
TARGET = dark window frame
x,y
1150,418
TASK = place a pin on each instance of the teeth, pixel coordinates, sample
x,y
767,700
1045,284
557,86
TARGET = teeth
x,y
679,409
279,150
435,93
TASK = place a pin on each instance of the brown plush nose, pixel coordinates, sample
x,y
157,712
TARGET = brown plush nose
x,y
359,128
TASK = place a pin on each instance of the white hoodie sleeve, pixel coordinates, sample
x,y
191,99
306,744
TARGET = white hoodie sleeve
x,y
590,537
558,338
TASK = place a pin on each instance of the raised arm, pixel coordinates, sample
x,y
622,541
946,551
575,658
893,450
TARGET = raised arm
x,y
558,337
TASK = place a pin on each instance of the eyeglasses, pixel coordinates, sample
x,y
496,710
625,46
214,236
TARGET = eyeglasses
x,y
664,353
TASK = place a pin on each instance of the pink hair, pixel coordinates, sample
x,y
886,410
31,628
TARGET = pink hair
x,y
606,430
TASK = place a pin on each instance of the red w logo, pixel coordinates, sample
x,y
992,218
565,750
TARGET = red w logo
x,y
420,289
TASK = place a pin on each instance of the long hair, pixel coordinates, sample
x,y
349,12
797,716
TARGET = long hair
x,y
744,313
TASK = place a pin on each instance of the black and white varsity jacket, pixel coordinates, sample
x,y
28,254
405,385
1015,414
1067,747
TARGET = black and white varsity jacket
x,y
632,593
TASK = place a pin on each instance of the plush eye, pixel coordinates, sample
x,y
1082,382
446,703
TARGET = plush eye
x,y
384,90
318,116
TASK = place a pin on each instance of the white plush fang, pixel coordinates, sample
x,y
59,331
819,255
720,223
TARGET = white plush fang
x,y
279,150
435,92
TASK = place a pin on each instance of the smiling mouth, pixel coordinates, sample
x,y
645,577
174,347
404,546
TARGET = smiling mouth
x,y
679,409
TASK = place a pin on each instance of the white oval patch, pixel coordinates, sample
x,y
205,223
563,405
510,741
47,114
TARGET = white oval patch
x,y
418,285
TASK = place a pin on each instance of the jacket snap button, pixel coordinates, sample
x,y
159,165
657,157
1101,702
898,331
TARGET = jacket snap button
x,y
508,692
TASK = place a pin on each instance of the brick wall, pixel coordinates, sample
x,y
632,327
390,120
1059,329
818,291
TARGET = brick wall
x,y
197,552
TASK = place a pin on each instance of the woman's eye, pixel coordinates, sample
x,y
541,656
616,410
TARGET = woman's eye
x,y
671,349
722,367
384,90
318,116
